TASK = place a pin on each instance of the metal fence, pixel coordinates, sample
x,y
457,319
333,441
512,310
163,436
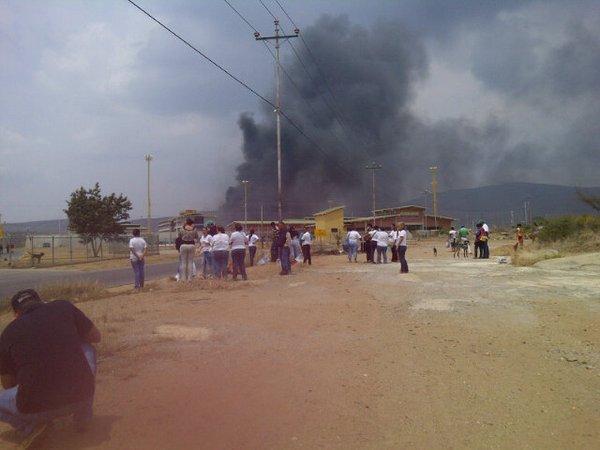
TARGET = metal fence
x,y
53,250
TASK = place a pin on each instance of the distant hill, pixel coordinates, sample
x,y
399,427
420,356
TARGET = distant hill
x,y
506,204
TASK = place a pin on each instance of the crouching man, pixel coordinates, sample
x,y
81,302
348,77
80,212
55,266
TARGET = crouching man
x,y
47,365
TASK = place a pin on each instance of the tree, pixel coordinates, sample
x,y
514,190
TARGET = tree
x,y
591,200
96,218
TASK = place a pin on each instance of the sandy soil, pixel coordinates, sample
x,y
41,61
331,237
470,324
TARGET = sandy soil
x,y
455,354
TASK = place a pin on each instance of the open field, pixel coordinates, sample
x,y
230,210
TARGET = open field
x,y
456,354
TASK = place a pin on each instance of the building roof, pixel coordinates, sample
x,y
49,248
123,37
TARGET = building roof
x,y
327,211
402,207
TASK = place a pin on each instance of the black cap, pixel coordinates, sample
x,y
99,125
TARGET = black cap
x,y
23,297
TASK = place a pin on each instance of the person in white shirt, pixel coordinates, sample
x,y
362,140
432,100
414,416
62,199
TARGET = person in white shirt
x,y
306,243
206,254
252,241
452,238
393,239
137,250
220,253
401,244
353,238
238,241
381,237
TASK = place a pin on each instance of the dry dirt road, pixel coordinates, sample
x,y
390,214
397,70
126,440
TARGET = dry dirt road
x,y
455,354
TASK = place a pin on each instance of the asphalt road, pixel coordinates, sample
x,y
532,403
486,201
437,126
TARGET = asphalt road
x,y
13,280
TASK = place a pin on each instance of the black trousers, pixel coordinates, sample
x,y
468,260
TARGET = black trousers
x,y
306,254
402,257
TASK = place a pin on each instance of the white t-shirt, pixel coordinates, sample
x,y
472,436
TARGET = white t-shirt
x,y
138,245
306,238
353,236
253,240
382,238
402,234
486,228
394,235
238,240
205,243
220,241
452,234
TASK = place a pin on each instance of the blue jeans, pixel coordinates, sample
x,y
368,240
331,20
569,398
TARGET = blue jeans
x,y
402,257
252,250
207,264
352,250
381,251
238,257
284,256
138,273
82,412
220,258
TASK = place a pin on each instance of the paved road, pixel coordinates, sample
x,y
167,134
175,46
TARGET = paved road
x,y
12,280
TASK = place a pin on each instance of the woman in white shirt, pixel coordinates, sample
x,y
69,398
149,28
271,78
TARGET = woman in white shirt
x,y
306,243
252,240
353,238
206,254
381,237
220,253
238,241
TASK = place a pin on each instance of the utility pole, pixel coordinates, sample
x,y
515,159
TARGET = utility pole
x,y
245,183
148,158
373,167
434,188
277,37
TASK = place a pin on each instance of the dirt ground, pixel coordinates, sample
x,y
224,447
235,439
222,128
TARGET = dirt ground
x,y
455,354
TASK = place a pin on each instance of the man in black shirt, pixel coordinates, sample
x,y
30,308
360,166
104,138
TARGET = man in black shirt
x,y
47,364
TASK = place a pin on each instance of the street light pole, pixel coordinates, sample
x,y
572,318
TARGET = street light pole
x,y
434,188
373,167
148,158
245,183
277,37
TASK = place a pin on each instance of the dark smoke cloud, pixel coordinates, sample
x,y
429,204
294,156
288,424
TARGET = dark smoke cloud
x,y
374,73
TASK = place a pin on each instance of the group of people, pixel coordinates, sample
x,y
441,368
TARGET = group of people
x,y
288,244
376,241
482,236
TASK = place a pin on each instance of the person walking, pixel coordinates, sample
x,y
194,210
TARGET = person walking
x,y
189,236
238,241
252,241
520,237
206,254
401,243
47,366
220,252
306,246
353,238
137,252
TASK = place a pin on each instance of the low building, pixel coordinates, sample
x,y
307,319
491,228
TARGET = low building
x,y
413,216
168,229
329,224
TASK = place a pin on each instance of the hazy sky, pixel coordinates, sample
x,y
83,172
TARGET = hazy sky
x,y
489,92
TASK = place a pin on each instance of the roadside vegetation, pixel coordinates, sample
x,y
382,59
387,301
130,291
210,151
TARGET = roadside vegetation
x,y
562,236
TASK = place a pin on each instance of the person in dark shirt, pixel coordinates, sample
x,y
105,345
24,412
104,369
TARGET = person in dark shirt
x,y
47,364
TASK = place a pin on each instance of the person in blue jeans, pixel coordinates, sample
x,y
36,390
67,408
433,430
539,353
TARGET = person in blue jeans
x,y
47,365
284,241
137,252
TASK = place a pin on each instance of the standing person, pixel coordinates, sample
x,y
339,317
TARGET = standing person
x,y
381,237
206,254
252,241
485,237
402,243
274,242
238,241
306,244
295,249
284,241
367,237
452,238
353,238
220,253
47,365
393,239
478,249
189,236
137,251
520,237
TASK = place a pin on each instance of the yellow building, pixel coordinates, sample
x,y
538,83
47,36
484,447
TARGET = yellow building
x,y
329,224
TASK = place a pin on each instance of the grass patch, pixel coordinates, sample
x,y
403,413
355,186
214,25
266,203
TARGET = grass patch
x,y
79,291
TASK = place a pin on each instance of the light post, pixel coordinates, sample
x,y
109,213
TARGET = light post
x,y
148,158
434,188
373,167
245,183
